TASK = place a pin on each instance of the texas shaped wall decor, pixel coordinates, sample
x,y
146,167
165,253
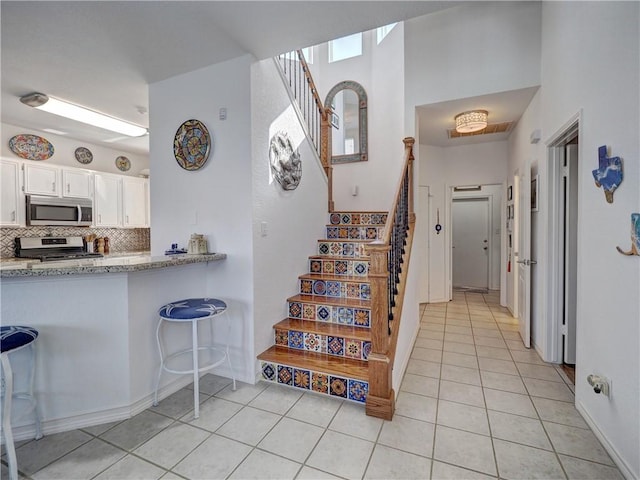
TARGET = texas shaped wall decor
x,y
609,173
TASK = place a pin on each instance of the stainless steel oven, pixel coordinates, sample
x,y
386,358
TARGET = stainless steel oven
x,y
43,210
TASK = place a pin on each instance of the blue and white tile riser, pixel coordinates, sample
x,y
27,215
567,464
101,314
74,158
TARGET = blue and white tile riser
x,y
348,218
335,289
357,317
354,249
335,386
355,233
347,267
329,344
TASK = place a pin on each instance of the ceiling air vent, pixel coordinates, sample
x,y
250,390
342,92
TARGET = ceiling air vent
x,y
491,128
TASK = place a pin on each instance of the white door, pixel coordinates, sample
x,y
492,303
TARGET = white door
x,y
470,242
570,176
524,251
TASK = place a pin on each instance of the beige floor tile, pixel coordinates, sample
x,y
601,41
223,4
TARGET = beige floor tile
x,y
429,318
85,462
490,342
434,327
276,399
460,374
315,408
341,455
292,439
131,468
262,465
249,425
444,471
96,430
449,328
408,435
213,414
430,334
420,385
216,457
177,404
486,332
466,348
538,371
32,456
515,428
578,469
511,335
498,366
501,381
464,449
509,402
460,359
422,367
459,338
516,345
556,411
387,463
463,417
172,444
428,343
416,406
132,433
211,384
462,393
244,392
308,473
351,420
427,354
493,352
521,462
454,322
528,356
546,389
577,442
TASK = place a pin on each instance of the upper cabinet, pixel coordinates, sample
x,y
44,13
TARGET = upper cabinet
x,y
10,206
135,196
41,179
107,202
77,183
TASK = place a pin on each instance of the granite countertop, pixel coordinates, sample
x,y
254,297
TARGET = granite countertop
x,y
114,263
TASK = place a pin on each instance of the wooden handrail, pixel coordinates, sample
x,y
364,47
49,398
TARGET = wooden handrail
x,y
388,281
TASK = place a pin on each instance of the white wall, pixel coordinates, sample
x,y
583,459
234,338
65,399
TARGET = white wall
x,y
585,68
294,219
104,158
217,199
476,49
440,169
380,71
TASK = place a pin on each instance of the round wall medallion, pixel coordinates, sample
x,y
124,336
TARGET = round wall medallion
x,y
286,165
191,145
83,155
123,163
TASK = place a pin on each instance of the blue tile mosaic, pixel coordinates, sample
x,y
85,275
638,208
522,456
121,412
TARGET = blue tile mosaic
x,y
358,391
296,339
268,371
335,346
338,386
302,378
285,375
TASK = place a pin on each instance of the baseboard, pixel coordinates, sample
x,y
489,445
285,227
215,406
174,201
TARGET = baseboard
x,y
617,459
405,360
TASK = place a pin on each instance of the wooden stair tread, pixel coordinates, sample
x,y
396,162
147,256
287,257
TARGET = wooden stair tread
x,y
343,240
335,278
364,258
348,225
360,211
333,301
325,328
318,362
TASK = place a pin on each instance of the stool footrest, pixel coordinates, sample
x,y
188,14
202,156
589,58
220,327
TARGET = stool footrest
x,y
220,351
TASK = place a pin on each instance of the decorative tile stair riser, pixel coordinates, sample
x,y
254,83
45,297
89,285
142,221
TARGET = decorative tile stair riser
x,y
336,289
359,317
345,266
331,345
352,249
355,233
358,218
319,382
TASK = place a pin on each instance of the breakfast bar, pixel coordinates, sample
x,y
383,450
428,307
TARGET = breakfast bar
x,y
97,356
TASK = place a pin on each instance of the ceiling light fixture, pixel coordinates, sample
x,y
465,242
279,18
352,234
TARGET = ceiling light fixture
x,y
81,114
471,121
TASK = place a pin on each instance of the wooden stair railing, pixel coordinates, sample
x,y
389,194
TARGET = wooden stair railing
x,y
314,117
388,256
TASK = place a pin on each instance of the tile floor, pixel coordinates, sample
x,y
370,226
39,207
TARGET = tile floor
x,y
474,404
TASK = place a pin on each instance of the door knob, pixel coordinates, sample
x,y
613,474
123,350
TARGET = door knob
x,y
485,248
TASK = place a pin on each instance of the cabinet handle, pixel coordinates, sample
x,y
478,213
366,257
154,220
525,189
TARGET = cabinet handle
x,y
100,218
53,186
13,216
127,219
68,188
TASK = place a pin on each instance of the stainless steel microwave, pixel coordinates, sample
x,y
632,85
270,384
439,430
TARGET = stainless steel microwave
x,y
43,210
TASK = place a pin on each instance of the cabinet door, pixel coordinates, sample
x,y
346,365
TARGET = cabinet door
x,y
106,202
41,180
10,194
134,201
76,184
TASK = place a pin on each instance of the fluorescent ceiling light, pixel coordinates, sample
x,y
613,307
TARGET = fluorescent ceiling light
x,y
472,121
53,130
81,114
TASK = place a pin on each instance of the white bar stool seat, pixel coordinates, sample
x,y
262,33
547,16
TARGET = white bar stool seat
x,y
12,339
193,310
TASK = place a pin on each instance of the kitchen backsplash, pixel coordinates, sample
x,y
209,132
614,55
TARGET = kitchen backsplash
x,y
120,239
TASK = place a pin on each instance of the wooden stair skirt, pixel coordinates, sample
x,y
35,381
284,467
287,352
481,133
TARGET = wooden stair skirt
x,y
323,345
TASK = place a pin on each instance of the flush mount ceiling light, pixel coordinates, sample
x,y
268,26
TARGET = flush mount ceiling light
x,y
81,114
471,121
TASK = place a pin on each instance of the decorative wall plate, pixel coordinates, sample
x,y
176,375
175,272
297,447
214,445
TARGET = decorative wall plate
x,y
31,147
123,163
191,145
286,165
83,155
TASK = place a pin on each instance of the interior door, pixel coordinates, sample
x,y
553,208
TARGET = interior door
x,y
470,242
524,252
570,176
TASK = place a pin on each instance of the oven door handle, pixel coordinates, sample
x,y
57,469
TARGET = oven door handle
x,y
79,213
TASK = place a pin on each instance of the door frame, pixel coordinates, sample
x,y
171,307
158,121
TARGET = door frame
x,y
552,298
449,237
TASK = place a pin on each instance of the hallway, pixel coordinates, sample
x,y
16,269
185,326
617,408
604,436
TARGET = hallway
x,y
474,404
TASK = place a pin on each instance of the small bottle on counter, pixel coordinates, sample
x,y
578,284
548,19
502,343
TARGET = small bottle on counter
x,y
100,243
107,246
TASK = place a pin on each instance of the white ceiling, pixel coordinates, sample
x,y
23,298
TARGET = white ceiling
x,y
104,54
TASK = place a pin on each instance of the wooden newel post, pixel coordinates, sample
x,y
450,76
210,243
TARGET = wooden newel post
x,y
381,398
408,146
325,153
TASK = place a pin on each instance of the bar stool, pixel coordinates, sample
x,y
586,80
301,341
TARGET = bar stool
x,y
194,310
12,339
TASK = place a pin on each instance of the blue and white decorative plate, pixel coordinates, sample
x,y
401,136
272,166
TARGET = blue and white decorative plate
x,y
123,163
191,145
31,147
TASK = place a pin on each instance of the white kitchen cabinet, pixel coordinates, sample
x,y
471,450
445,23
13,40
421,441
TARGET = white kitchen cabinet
x,y
10,206
107,203
41,179
76,183
134,202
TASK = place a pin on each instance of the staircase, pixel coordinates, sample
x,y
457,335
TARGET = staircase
x,y
324,343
